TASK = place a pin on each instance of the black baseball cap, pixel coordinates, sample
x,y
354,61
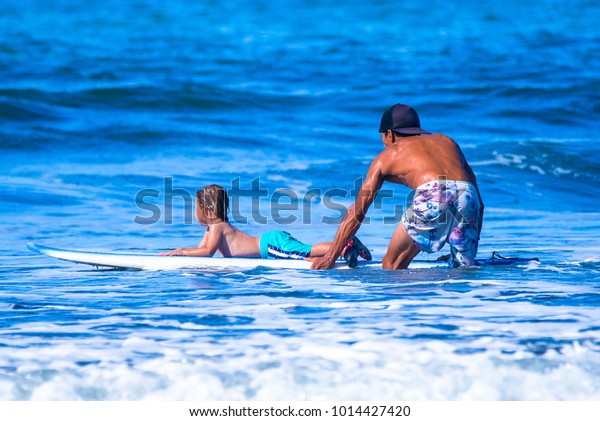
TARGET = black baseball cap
x,y
401,119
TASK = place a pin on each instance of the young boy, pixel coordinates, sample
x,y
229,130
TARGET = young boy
x,y
211,211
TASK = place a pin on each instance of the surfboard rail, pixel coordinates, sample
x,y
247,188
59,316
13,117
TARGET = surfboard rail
x,y
145,261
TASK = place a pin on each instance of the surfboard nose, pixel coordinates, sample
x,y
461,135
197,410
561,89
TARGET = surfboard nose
x,y
34,247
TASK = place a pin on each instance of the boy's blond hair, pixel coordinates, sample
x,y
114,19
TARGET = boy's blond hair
x,y
215,199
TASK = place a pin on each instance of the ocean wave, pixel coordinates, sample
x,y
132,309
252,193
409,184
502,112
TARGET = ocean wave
x,y
556,158
279,368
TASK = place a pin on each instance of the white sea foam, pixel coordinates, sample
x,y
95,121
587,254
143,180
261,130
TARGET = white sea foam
x,y
454,338
275,368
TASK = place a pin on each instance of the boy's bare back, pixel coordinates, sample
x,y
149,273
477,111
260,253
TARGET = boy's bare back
x,y
233,242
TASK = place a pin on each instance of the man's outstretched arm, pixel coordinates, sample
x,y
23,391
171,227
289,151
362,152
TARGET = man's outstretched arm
x,y
354,217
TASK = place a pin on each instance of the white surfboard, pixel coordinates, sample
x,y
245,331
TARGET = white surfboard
x,y
155,262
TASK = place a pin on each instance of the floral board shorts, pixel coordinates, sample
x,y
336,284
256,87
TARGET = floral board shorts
x,y
445,211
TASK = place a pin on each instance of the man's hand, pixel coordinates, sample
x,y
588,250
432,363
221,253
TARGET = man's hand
x,y
321,263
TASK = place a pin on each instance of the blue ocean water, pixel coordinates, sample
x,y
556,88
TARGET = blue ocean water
x,y
108,107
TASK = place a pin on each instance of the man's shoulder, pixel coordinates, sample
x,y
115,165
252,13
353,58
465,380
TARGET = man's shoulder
x,y
384,156
435,136
435,139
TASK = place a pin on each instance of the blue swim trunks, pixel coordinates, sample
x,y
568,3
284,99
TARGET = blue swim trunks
x,y
445,211
281,245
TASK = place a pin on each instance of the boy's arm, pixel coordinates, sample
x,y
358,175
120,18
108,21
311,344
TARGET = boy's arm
x,y
207,247
355,215
204,239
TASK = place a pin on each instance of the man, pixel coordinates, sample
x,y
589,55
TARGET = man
x,y
446,207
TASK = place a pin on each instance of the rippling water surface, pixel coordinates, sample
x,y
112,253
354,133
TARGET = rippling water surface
x,y
101,100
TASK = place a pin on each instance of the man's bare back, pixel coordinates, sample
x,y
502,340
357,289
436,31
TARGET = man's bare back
x,y
416,160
